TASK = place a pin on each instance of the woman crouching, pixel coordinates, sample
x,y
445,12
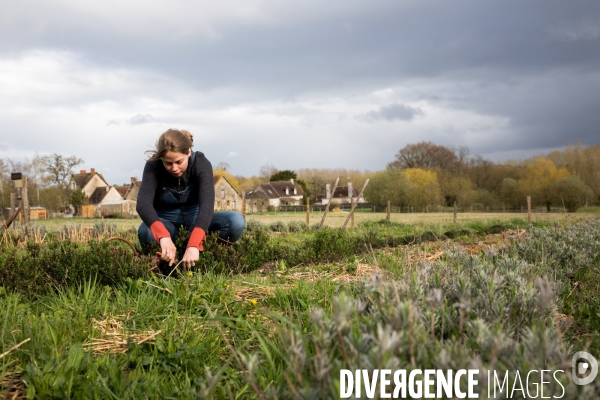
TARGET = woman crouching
x,y
178,190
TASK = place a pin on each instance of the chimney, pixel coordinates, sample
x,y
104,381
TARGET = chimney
x,y
328,191
133,179
92,171
350,192
82,171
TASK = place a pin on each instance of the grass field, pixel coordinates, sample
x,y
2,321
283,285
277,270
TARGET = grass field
x,y
337,219
277,315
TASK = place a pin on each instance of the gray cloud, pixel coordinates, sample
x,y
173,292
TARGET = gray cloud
x,y
498,76
142,119
392,112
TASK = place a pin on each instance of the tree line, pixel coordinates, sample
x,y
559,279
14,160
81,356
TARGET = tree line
x,y
422,176
425,176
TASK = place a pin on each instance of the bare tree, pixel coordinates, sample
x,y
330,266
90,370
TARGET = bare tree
x,y
266,171
223,166
59,168
427,155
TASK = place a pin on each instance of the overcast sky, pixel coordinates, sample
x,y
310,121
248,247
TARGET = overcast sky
x,y
296,84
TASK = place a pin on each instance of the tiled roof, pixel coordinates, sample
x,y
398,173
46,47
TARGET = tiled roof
x,y
342,191
276,189
82,179
122,190
99,194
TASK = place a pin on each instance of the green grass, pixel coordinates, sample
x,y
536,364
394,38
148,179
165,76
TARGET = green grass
x,y
280,313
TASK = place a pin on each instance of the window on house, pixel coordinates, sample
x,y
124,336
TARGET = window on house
x,y
222,194
227,203
73,185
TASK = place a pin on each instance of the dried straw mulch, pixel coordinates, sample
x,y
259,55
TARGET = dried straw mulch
x,y
115,337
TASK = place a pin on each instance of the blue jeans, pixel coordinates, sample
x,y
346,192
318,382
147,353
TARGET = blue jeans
x,y
174,211
229,225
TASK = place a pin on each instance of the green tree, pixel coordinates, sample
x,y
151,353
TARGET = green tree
x,y
425,188
510,193
538,179
78,199
284,175
571,193
388,185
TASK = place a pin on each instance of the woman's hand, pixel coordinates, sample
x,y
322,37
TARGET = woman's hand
x,y
192,254
168,250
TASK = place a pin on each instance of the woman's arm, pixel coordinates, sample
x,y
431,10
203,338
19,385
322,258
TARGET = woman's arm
x,y
206,199
145,202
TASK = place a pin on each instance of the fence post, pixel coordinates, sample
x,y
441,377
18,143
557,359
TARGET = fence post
x,y
307,211
388,210
455,212
529,209
244,204
26,207
13,204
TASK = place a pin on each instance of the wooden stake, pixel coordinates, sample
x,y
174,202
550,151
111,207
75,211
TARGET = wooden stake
x,y
529,209
244,204
354,204
13,216
25,201
327,206
388,211
307,211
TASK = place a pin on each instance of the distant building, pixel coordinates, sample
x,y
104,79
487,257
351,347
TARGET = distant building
x,y
279,193
341,195
226,197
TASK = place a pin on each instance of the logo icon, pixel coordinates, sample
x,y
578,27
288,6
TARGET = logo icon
x,y
584,368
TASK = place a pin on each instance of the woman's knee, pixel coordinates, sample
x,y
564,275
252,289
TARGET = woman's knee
x,y
228,224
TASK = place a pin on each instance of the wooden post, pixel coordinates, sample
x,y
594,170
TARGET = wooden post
x,y
26,207
455,212
307,211
529,209
329,203
388,211
13,205
354,204
352,214
244,204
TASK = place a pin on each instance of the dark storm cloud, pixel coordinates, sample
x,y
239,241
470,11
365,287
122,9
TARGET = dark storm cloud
x,y
527,72
392,112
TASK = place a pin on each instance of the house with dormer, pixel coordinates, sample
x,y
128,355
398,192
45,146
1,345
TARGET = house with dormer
x,y
280,193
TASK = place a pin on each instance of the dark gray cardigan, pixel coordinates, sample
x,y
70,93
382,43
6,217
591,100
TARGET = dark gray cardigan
x,y
199,173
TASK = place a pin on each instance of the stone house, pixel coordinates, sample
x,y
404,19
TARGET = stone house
x,y
226,197
256,201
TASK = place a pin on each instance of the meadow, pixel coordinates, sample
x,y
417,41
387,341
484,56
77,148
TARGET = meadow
x,y
281,312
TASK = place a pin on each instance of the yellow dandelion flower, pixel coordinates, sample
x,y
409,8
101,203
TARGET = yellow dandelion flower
x,y
253,302
190,273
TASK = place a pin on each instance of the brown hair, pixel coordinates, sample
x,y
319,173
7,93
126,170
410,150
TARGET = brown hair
x,y
176,140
